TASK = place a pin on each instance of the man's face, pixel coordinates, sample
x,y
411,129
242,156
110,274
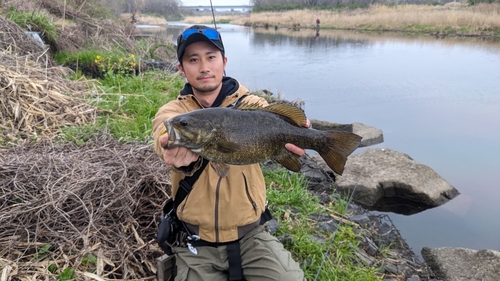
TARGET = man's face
x,y
203,66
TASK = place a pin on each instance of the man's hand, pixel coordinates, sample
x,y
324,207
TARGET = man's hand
x,y
178,156
295,149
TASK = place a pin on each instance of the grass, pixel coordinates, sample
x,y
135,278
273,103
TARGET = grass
x,y
131,102
127,100
292,206
35,21
127,103
451,17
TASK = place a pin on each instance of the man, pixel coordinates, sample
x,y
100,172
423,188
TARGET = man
x,y
221,216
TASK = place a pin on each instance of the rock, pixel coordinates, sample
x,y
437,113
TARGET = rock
x,y
461,264
327,126
370,135
364,257
320,178
391,181
272,226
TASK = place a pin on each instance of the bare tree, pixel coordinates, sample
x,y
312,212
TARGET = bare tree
x,y
162,6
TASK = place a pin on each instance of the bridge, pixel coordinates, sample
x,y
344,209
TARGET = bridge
x,y
219,8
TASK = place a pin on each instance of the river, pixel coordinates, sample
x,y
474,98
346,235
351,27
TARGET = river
x,y
436,99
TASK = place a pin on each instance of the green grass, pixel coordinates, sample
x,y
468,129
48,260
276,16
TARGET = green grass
x,y
35,21
83,57
127,104
292,205
132,101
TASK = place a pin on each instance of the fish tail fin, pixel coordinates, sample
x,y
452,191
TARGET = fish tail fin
x,y
339,146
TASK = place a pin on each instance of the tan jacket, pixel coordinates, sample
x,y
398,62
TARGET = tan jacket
x,y
217,209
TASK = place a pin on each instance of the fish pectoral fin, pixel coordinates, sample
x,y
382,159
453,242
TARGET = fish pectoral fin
x,y
227,146
290,161
220,168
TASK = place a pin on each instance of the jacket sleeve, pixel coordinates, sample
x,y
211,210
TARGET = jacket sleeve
x,y
165,112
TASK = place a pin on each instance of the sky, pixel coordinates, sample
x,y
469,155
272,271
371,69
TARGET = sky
x,y
215,2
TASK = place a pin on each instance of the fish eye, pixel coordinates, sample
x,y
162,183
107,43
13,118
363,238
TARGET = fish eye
x,y
183,122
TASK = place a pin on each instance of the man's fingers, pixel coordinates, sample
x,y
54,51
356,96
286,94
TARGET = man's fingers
x,y
179,156
164,140
295,149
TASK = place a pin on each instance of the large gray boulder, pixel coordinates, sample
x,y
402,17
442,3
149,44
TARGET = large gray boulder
x,y
461,264
391,181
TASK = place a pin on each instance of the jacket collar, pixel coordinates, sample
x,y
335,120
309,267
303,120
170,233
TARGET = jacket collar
x,y
229,87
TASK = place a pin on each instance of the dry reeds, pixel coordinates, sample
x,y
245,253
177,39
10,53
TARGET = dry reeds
x,y
479,17
100,200
14,40
35,100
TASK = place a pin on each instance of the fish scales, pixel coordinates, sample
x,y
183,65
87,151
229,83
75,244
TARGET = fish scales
x,y
250,134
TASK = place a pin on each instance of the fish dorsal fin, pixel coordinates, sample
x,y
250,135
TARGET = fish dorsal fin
x,y
248,106
293,113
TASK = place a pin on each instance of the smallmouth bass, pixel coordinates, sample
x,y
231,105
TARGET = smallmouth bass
x,y
250,133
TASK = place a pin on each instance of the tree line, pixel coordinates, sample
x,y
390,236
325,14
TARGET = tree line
x,y
171,9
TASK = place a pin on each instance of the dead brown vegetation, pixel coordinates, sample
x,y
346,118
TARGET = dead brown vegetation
x,y
15,41
35,98
98,199
480,19
38,101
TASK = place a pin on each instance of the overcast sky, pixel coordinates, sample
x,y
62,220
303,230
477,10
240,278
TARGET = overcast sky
x,y
215,2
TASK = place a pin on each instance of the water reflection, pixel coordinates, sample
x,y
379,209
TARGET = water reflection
x,y
309,38
378,37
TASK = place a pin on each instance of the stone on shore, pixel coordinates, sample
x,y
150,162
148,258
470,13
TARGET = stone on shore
x,y
391,181
370,135
461,264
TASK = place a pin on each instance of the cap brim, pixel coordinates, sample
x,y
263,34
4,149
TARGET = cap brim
x,y
197,37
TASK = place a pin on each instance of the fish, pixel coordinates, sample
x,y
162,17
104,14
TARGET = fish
x,y
252,133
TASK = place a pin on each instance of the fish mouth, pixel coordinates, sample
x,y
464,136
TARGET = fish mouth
x,y
174,137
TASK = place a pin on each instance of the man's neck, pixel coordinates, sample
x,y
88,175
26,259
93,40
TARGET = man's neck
x,y
206,99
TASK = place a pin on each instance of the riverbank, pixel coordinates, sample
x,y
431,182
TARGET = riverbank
x,y
450,19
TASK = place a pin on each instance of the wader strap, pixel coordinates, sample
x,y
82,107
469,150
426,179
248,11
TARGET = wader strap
x,y
266,216
234,260
186,184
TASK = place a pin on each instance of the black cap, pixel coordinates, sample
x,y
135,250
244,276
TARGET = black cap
x,y
183,43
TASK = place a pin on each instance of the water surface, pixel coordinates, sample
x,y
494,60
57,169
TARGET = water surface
x,y
437,100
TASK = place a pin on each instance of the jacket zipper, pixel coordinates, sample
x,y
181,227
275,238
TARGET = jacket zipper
x,y
217,191
254,205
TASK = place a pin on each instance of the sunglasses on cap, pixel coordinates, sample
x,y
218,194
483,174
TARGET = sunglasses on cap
x,y
209,33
